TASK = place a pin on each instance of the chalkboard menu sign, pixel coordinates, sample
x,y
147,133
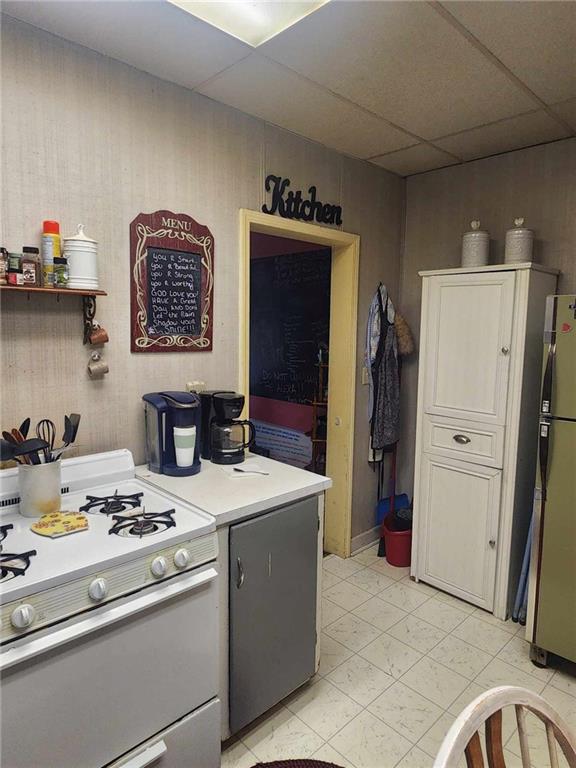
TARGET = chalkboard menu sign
x,y
172,280
289,324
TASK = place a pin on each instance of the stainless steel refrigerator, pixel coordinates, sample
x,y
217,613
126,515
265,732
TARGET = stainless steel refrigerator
x,y
551,625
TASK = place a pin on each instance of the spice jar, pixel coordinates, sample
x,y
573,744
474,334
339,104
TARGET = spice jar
x,y
60,273
31,265
15,269
3,266
14,262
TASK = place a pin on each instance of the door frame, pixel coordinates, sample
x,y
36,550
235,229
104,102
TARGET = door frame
x,y
342,365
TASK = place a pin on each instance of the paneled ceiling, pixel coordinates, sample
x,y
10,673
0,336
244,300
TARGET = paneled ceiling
x,y
409,86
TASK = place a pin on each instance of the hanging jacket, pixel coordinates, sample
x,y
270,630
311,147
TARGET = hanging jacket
x,y
383,374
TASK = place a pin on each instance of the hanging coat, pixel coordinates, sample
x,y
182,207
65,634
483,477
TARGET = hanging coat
x,y
383,373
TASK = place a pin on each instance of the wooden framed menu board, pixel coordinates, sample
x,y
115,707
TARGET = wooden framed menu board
x,y
171,285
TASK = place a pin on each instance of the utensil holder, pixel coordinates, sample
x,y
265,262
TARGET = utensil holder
x,y
40,488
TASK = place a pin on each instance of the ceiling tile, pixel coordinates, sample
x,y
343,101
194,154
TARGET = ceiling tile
x,y
503,136
403,61
415,159
567,110
536,40
263,88
154,37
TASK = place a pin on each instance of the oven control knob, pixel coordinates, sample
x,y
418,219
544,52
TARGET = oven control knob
x,y
98,590
181,558
159,567
23,616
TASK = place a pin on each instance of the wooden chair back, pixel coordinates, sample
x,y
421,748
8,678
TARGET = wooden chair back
x,y
464,735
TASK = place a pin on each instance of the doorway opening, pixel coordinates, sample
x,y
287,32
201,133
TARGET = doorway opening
x,y
289,349
343,303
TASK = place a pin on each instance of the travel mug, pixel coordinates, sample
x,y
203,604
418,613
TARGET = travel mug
x,y
184,444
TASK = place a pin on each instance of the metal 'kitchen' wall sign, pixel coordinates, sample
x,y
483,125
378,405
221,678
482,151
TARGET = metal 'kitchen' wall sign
x,y
292,205
171,284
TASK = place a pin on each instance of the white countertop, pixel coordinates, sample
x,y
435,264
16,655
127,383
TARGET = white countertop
x,y
230,499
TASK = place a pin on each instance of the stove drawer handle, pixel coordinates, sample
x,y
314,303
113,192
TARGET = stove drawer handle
x,y
147,757
461,439
85,626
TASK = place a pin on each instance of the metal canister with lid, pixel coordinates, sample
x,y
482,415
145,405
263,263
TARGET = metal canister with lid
x,y
475,246
519,243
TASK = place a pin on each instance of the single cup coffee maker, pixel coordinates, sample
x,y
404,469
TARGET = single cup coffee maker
x,y
228,433
172,432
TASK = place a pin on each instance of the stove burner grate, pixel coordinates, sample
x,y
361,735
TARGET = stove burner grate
x,y
4,532
12,565
141,524
113,504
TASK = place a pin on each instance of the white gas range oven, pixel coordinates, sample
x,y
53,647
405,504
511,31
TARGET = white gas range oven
x,y
109,637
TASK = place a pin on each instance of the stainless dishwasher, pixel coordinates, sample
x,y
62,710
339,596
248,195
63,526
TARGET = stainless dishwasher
x,y
273,573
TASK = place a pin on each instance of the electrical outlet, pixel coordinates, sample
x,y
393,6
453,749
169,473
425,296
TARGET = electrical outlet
x,y
195,386
365,379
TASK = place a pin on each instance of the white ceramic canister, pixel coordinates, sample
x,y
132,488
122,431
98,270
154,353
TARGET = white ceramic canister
x,y
82,255
519,243
40,488
475,246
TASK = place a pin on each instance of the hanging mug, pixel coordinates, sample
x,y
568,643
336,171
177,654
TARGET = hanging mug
x,y
98,335
97,366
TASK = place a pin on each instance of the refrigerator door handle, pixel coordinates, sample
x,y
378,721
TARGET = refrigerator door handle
x,y
543,444
548,379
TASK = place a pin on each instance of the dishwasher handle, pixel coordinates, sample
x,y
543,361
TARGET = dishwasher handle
x,y
16,654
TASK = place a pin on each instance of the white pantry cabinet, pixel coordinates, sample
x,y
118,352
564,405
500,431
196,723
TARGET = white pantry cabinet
x,y
468,337
477,425
460,527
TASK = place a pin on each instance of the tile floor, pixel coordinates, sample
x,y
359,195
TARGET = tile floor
x,y
399,661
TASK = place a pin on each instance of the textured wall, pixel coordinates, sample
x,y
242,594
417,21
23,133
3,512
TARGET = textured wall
x,y
537,183
88,139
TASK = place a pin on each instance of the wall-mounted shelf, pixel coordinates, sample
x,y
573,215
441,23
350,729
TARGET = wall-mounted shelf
x,y
88,300
54,291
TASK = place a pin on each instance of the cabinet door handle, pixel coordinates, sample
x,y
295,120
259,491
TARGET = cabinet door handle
x,y
240,580
505,350
462,439
492,543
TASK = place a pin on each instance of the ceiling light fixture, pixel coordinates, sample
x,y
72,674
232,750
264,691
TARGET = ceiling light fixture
x,y
252,22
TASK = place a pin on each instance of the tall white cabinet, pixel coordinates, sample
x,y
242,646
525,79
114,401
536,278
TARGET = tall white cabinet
x,y
477,427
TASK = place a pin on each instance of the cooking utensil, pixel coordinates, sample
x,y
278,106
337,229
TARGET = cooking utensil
x,y
9,437
68,431
7,451
250,471
24,427
18,437
46,430
55,455
30,448
75,420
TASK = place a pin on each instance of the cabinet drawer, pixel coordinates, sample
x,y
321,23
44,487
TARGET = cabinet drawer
x,y
466,440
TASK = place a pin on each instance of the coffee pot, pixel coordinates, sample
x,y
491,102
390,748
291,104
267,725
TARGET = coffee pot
x,y
230,436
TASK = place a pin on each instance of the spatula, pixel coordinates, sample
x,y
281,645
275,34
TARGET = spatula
x,y
75,420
